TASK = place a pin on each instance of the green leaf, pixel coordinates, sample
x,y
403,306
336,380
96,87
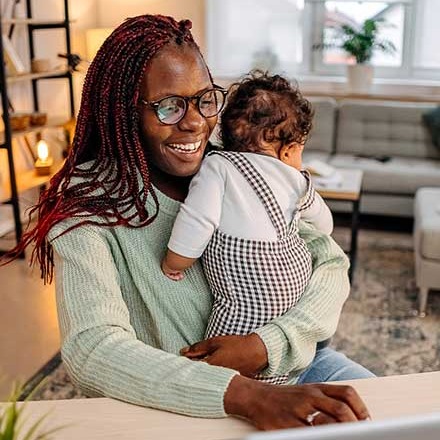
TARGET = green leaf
x,y
359,43
12,420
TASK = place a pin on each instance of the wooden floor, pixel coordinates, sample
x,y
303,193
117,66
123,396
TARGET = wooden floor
x,y
28,324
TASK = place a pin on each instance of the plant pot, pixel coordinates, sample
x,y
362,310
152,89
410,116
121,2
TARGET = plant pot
x,y
359,78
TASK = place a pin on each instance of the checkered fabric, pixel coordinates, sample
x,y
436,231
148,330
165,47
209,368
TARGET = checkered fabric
x,y
255,281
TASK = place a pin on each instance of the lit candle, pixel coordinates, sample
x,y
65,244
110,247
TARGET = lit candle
x,y
44,162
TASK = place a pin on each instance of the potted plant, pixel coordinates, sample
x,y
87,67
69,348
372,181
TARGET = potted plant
x,y
360,43
13,421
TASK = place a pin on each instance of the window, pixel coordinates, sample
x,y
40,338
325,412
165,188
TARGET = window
x,y
427,36
246,34
328,16
278,35
354,14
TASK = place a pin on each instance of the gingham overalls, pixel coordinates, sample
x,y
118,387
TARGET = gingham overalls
x,y
254,281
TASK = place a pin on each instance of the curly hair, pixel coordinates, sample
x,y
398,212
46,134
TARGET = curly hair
x,y
115,183
264,108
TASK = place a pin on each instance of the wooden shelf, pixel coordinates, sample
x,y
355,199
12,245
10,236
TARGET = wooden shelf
x,y
30,76
27,180
52,123
33,21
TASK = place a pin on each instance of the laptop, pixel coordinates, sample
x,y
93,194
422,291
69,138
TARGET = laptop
x,y
420,427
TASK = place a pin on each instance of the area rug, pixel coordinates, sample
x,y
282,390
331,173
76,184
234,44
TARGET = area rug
x,y
378,327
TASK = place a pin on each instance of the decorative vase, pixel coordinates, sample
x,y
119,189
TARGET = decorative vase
x,y
360,78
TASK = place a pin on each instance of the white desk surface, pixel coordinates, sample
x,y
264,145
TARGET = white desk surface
x,y
110,419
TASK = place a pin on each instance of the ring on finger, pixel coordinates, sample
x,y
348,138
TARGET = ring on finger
x,y
311,417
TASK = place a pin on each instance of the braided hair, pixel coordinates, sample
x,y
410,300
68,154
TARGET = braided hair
x,y
106,174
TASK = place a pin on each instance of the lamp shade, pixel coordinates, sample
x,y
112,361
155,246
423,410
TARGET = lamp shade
x,y
94,40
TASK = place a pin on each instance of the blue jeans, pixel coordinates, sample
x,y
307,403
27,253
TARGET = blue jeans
x,y
330,365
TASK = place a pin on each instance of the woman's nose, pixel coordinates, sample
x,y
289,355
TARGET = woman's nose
x,y
193,120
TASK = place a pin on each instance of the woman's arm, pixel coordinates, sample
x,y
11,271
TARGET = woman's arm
x,y
280,407
104,357
100,348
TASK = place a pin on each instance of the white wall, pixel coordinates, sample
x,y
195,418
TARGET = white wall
x,y
113,12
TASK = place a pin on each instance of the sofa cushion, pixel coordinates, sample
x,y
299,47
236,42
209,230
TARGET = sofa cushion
x,y
427,215
321,137
384,128
399,175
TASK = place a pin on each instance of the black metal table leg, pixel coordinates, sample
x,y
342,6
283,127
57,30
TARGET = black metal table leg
x,y
354,237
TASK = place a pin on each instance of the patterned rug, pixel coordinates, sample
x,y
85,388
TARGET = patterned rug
x,y
378,326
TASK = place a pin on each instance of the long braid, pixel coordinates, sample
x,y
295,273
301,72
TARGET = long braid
x,y
100,177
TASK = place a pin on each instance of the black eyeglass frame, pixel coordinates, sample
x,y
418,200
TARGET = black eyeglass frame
x,y
187,99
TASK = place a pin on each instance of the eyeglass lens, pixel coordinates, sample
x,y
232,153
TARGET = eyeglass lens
x,y
171,110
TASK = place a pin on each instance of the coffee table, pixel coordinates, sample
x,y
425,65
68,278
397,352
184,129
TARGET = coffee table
x,y
349,189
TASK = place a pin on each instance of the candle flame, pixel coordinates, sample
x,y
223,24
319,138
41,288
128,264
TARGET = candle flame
x,y
42,150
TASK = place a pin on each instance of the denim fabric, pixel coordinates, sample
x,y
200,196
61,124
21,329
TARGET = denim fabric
x,y
330,365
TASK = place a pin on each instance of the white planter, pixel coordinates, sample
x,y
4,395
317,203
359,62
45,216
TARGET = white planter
x,y
359,78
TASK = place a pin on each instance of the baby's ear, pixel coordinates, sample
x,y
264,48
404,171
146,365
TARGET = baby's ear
x,y
285,152
288,150
291,154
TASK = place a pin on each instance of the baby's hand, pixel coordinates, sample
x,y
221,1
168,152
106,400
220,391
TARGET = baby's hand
x,y
175,275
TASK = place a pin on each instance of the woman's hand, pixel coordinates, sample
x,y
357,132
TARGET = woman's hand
x,y
287,406
246,354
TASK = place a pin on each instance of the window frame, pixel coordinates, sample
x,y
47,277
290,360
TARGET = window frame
x,y
316,24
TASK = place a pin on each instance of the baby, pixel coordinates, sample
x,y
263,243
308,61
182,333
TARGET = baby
x,y
242,211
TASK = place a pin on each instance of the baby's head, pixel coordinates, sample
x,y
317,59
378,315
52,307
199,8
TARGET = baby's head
x,y
267,114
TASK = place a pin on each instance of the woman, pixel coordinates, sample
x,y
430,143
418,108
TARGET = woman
x,y
108,215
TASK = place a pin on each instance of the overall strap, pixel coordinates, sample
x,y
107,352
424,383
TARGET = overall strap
x,y
260,187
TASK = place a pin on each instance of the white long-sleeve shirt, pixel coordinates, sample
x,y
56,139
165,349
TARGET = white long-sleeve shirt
x,y
220,197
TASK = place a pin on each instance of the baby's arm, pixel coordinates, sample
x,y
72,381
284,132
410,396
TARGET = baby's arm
x,y
174,264
314,210
198,218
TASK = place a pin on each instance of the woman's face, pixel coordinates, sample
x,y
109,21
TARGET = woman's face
x,y
176,71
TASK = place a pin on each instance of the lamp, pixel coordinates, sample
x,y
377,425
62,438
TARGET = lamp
x,y
94,40
44,162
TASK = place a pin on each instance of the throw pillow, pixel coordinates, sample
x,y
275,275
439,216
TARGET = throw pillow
x,y
432,121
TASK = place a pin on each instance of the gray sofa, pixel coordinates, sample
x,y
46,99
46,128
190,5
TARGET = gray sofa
x,y
387,140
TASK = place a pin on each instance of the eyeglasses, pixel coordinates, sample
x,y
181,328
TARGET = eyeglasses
x,y
172,109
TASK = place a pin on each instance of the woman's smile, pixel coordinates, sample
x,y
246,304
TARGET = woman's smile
x,y
187,148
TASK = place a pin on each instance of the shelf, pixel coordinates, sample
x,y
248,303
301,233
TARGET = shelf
x,y
30,76
34,21
27,180
52,123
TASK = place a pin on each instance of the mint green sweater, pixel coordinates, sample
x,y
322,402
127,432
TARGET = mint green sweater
x,y
123,322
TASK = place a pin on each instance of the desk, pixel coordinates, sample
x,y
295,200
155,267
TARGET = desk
x,y
348,190
110,419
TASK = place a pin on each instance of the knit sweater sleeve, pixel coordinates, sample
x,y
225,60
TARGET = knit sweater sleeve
x,y
291,339
100,349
